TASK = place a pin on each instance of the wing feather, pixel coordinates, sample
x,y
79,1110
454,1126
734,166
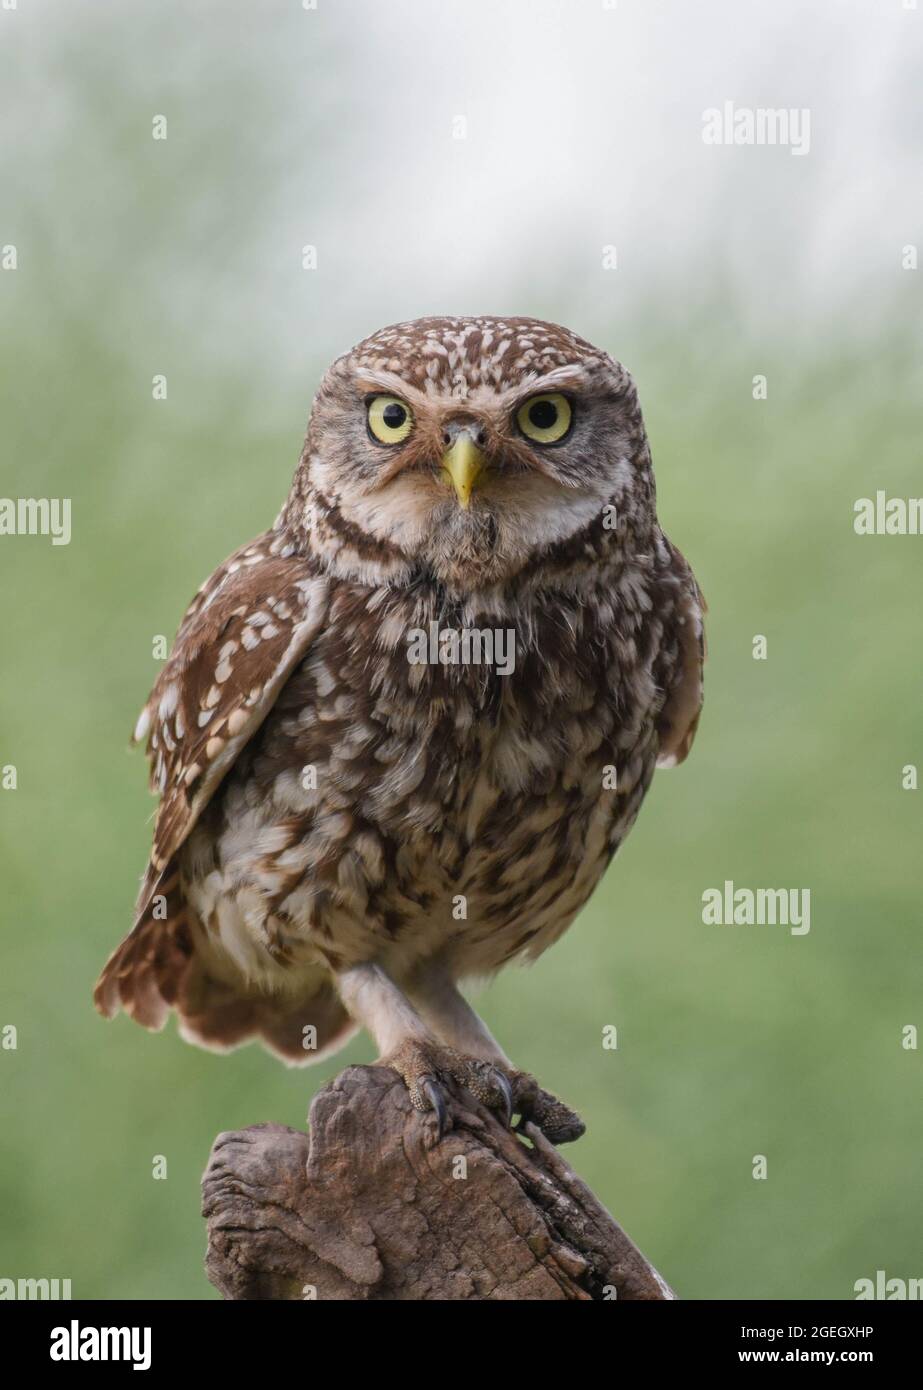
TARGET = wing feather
x,y
685,624
243,634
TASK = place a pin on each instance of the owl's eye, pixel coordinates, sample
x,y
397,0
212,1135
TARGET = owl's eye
x,y
545,419
390,420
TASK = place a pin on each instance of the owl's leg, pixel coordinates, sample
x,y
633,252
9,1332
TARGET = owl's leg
x,y
407,1045
450,1016
448,1013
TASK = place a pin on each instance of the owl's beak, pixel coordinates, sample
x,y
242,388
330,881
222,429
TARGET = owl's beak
x,y
462,466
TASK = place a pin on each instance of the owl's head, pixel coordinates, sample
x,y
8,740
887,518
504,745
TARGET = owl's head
x,y
469,448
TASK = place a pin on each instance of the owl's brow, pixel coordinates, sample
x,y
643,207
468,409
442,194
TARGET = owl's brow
x,y
561,379
568,377
371,380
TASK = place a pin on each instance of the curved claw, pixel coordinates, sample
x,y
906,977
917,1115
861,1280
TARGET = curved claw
x,y
433,1093
505,1111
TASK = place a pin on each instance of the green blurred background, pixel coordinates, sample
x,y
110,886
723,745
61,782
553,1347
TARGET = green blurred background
x,y
333,128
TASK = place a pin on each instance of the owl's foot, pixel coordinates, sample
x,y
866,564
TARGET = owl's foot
x,y
425,1067
558,1123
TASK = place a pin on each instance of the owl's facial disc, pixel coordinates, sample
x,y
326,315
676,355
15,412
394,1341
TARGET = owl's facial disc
x,y
468,448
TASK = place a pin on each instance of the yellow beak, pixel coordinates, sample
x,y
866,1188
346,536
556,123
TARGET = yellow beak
x,y
462,466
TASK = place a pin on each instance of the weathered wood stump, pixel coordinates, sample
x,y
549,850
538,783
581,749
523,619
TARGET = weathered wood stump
x,y
368,1207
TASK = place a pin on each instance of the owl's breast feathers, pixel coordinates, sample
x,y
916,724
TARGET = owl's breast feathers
x,y
428,783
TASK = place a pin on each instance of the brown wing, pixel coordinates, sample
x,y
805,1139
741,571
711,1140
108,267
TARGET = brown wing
x,y
244,632
242,635
684,644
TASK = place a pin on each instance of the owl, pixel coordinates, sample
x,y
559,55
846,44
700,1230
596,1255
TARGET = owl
x,y
402,733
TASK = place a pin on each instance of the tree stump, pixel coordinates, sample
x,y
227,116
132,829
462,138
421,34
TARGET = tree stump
x,y
370,1207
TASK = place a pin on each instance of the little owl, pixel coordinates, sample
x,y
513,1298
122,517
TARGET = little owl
x,y
348,830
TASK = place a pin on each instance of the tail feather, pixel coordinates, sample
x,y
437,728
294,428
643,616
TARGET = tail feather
x,y
142,975
159,967
299,1029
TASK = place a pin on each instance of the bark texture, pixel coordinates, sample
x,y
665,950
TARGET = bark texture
x,y
370,1207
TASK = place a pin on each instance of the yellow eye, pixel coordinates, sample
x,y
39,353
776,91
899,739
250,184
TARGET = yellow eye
x,y
390,420
545,419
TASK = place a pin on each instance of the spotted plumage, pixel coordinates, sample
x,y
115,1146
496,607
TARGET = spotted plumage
x,y
345,833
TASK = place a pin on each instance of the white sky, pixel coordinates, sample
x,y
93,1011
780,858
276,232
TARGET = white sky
x,y
334,127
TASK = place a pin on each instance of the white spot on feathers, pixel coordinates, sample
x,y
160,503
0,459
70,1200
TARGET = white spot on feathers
x,y
168,701
236,721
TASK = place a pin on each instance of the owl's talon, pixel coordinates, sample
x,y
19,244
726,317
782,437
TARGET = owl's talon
x,y
506,1092
436,1097
424,1067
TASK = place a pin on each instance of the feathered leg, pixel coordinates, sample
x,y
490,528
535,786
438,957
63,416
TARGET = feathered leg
x,y
428,1033
409,1047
